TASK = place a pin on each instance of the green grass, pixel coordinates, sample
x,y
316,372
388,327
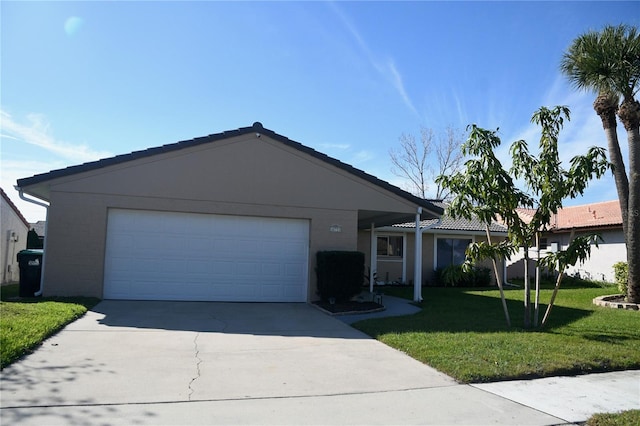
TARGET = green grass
x,y
26,322
463,333
624,418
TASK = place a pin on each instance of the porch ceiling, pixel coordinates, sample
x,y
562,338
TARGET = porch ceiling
x,y
382,218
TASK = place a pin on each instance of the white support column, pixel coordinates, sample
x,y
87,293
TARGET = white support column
x,y
504,270
404,257
417,276
374,256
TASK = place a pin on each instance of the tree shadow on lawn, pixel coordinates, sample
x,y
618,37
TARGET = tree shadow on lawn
x,y
457,310
464,334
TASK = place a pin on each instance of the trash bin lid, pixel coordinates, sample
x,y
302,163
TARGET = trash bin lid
x,y
30,252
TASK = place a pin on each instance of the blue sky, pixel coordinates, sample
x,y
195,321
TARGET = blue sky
x,y
87,80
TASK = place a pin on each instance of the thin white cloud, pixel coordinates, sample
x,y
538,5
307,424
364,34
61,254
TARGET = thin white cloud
x,y
387,68
397,82
36,131
462,115
342,146
362,157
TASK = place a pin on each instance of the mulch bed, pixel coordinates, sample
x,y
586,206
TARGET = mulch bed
x,y
352,307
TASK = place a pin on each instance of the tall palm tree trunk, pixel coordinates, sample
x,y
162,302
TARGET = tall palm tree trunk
x,y
605,106
629,113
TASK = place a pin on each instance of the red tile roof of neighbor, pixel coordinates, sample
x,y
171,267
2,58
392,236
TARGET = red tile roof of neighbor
x,y
606,213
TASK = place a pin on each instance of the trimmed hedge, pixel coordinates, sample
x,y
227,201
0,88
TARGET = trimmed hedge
x,y
621,274
340,274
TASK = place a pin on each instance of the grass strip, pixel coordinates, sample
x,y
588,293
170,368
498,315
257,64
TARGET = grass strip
x,y
624,418
26,322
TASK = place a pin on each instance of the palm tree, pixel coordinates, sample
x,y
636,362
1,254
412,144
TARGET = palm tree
x,y
608,62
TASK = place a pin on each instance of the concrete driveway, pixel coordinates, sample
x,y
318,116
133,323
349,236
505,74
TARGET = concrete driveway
x,y
131,362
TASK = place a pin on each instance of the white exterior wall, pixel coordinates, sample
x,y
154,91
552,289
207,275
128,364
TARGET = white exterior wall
x,y
13,238
599,266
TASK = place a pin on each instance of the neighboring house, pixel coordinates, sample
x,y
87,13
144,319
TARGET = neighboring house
x,y
234,216
444,242
13,234
604,218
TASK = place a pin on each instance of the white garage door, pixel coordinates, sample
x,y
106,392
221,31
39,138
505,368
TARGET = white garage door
x,y
182,256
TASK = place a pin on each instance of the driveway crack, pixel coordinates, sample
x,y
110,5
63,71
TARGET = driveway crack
x,y
198,362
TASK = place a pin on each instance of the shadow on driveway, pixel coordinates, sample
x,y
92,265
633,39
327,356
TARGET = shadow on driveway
x,y
280,319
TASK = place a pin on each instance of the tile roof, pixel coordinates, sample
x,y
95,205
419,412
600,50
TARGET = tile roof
x,y
255,128
450,224
14,208
526,215
593,215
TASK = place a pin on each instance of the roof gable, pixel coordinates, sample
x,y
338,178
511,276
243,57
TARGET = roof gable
x,y
257,129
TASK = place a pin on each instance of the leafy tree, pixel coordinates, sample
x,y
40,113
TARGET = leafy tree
x,y
608,63
412,159
486,190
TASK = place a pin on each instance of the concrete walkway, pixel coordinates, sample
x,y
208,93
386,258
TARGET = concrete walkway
x,y
394,307
153,363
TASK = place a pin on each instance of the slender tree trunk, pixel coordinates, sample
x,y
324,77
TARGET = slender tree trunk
x,y
527,289
499,281
537,298
561,269
629,113
553,299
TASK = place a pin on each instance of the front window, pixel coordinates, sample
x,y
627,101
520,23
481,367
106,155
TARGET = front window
x,y
451,251
543,244
390,246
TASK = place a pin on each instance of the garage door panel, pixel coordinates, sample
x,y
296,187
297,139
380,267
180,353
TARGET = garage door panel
x,y
181,256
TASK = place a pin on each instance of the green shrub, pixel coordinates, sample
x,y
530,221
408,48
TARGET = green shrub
x,y
621,273
340,274
456,276
481,277
451,276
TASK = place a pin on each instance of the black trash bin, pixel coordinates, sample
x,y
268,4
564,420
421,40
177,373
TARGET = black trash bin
x,y
30,262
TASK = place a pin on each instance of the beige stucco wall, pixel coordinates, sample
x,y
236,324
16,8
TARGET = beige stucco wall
x,y
10,246
428,258
244,175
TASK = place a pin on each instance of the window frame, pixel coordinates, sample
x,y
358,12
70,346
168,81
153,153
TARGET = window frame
x,y
400,247
437,258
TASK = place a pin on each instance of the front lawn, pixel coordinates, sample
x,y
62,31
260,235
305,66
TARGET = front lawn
x,y
463,333
26,322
